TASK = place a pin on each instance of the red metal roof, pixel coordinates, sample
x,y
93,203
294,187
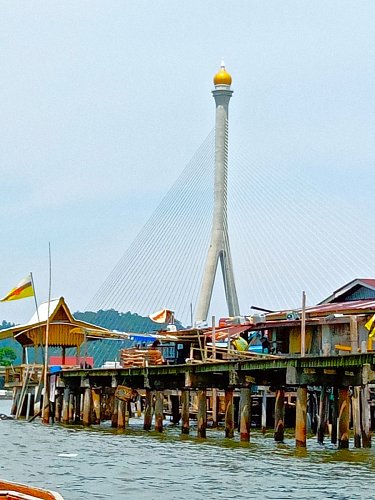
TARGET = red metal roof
x,y
368,281
348,307
345,289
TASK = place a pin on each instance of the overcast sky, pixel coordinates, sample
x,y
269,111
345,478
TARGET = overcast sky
x,y
104,103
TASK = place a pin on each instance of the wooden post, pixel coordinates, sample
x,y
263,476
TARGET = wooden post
x,y
366,423
147,422
159,411
28,405
323,403
16,396
264,410
354,334
176,415
71,408
214,408
65,408
245,413
185,409
202,413
343,424
335,413
58,407
114,411
77,404
121,414
138,407
95,394
356,416
86,420
229,413
279,415
301,408
213,338
46,411
303,325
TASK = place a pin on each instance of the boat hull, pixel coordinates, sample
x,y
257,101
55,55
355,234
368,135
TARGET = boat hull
x,y
15,491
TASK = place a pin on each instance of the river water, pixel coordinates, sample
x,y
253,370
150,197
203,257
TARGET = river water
x,y
103,464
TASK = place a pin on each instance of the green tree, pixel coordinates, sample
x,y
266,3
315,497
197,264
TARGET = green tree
x,y
7,356
5,324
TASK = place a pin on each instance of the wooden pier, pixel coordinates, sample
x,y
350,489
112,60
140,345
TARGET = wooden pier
x,y
91,396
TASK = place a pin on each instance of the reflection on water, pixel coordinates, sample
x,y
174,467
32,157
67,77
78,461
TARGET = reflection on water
x,y
102,464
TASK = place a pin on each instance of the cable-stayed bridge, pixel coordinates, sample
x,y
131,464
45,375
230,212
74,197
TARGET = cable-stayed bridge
x,y
287,234
285,238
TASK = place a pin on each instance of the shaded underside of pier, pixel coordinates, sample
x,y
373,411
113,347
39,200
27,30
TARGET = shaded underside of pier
x,y
335,371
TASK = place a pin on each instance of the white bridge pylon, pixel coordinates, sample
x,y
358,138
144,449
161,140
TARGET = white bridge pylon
x,y
219,248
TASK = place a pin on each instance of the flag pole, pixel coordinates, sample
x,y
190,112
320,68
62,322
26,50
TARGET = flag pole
x,y
35,300
45,403
37,315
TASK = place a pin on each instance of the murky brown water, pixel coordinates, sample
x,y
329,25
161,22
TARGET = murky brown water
x,y
100,464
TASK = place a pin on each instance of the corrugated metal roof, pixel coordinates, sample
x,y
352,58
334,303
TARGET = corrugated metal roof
x,y
369,282
366,306
42,313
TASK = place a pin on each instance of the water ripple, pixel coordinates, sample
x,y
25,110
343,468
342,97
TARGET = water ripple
x,y
103,464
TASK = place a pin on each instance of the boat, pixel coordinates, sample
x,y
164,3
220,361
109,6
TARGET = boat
x,y
15,491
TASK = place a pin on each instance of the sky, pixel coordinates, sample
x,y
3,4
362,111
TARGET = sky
x,y
104,103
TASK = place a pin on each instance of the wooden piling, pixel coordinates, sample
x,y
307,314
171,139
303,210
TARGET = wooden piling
x,y
127,414
16,397
147,422
86,418
159,400
46,412
279,415
185,408
214,408
264,410
71,408
176,415
323,404
229,413
95,395
245,414
366,419
65,407
202,413
343,418
301,420
114,411
77,403
121,423
335,412
138,407
28,405
356,416
58,407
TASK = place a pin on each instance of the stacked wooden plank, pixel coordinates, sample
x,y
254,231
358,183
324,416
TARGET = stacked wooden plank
x,y
140,357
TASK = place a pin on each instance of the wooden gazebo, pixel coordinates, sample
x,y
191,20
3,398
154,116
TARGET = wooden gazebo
x,y
63,330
